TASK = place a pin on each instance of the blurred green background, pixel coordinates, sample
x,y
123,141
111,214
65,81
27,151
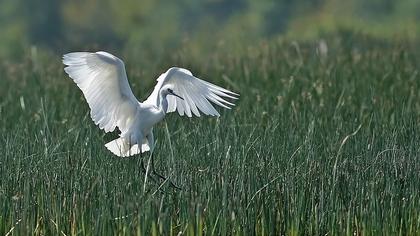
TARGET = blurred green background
x,y
151,29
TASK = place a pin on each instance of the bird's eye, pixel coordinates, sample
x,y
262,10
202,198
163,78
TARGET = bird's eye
x,y
170,91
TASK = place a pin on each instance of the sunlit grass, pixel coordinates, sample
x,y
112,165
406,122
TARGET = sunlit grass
x,y
317,144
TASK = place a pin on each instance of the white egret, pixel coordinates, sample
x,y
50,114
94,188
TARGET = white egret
x,y
102,78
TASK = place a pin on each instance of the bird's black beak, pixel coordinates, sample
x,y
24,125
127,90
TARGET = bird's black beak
x,y
176,95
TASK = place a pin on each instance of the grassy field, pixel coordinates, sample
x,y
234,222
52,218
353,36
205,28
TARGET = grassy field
x,y
319,143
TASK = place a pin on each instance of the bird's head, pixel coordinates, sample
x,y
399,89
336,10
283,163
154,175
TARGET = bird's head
x,y
168,90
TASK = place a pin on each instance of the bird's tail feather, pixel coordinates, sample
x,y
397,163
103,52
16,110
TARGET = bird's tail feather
x,y
119,148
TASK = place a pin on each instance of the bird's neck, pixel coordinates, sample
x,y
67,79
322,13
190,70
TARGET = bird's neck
x,y
163,103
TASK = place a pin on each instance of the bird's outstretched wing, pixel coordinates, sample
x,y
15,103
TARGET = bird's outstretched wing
x,y
197,94
103,81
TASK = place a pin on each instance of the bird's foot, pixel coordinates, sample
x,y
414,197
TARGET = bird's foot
x,y
155,173
165,179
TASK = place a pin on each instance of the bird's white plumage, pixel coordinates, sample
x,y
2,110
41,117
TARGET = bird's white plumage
x,y
196,93
103,81
119,148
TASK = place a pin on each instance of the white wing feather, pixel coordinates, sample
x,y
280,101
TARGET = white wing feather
x,y
197,94
103,81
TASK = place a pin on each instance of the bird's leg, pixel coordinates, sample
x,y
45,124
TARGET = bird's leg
x,y
142,165
144,170
151,142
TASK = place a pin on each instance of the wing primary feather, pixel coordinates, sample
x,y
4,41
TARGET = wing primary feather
x,y
216,101
222,100
217,87
218,92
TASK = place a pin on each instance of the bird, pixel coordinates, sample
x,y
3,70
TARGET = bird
x,y
102,78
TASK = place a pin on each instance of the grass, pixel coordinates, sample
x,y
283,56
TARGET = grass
x,y
317,144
